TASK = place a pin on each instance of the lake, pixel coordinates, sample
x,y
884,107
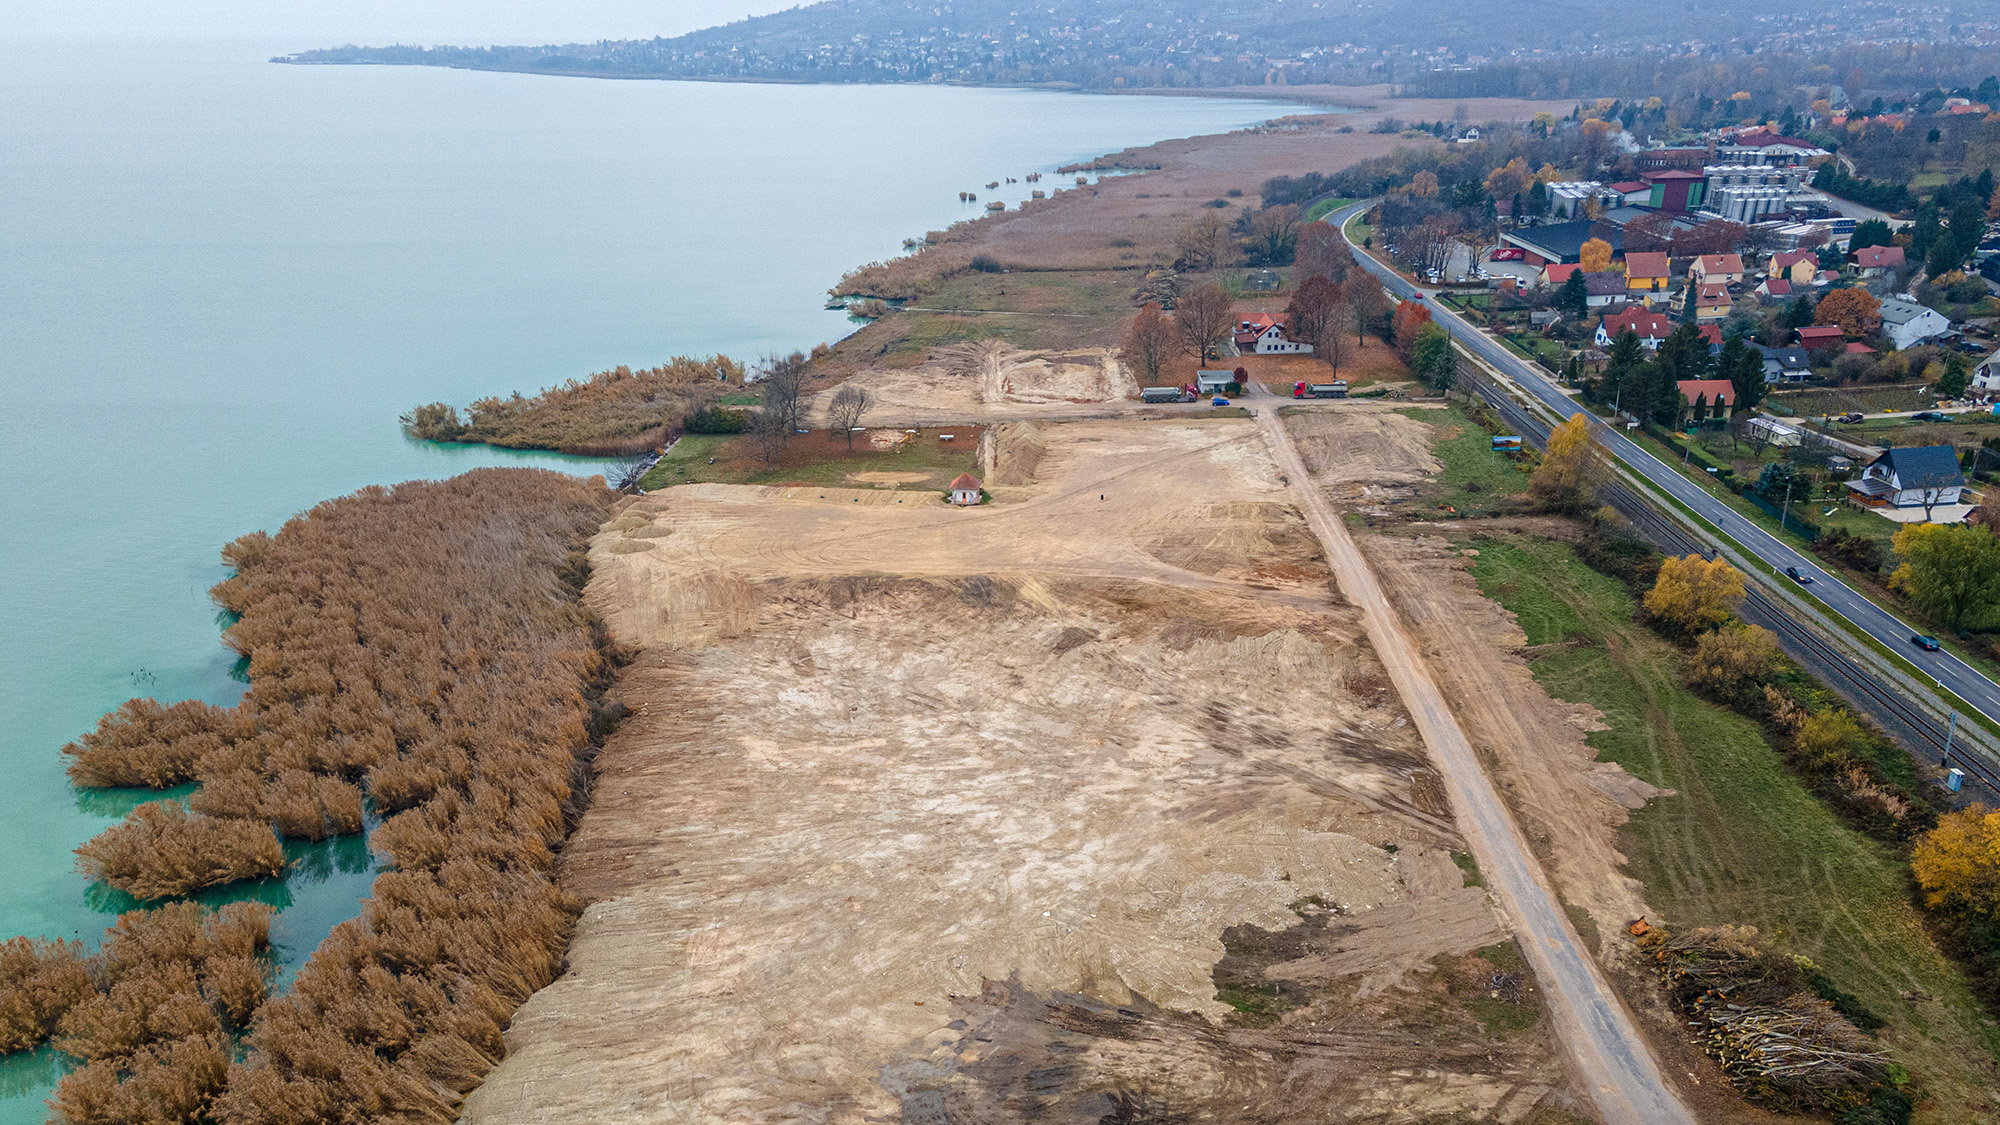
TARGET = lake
x,y
221,280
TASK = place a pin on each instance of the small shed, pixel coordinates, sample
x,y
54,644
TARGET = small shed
x,y
1213,382
1262,281
965,489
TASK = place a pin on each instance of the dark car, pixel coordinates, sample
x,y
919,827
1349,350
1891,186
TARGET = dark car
x,y
1795,575
1928,644
1852,417
1930,416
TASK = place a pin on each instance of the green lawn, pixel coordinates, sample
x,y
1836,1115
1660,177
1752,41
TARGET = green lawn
x,y
1742,842
1475,479
1324,208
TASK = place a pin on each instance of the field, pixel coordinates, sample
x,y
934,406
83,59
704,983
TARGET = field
x,y
1840,400
1739,841
923,461
962,813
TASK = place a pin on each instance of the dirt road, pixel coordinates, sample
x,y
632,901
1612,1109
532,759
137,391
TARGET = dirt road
x,y
1614,1060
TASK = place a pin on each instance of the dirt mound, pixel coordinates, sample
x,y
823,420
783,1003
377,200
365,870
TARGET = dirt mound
x,y
990,378
1017,452
1363,455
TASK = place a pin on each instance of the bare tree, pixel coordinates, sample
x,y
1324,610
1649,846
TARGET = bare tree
x,y
771,430
1201,243
1147,344
1321,252
1203,320
1311,318
849,403
784,379
1369,307
1273,233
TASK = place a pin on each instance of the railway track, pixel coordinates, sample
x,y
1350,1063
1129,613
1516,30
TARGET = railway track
x,y
1924,733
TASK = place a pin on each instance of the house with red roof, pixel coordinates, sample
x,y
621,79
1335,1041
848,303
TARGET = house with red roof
x,y
1264,334
1711,302
1816,336
965,489
1650,327
1646,273
1706,398
1796,266
1716,269
1775,288
1874,261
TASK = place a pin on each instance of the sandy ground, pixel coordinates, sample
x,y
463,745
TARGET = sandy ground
x,y
934,814
991,381
1363,455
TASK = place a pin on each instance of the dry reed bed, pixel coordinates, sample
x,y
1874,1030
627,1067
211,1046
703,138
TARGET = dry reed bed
x,y
423,645
613,413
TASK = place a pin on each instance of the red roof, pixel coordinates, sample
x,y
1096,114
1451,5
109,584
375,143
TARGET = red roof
x,y
1649,326
1711,390
1856,347
1821,334
1878,257
1646,265
1558,272
1720,263
1778,287
1630,186
1764,137
1711,332
1786,259
966,481
1671,174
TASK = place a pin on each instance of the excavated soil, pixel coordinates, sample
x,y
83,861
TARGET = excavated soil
x,y
992,380
929,814
1363,456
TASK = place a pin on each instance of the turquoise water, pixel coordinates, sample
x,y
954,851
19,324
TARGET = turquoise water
x,y
221,280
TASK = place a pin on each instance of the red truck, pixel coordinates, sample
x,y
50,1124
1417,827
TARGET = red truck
x,y
1335,389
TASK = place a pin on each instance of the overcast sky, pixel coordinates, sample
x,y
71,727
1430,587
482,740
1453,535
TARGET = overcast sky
x,y
332,22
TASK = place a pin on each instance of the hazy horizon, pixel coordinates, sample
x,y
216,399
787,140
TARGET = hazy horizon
x,y
377,21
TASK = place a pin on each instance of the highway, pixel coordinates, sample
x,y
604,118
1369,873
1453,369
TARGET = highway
x,y
1942,667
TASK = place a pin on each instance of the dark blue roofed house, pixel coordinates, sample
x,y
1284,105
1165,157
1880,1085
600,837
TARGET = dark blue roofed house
x,y
1926,477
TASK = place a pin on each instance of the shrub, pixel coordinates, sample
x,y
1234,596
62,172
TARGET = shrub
x,y
144,745
986,263
613,413
39,981
1732,665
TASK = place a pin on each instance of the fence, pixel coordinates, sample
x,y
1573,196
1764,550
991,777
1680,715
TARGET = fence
x,y
1805,529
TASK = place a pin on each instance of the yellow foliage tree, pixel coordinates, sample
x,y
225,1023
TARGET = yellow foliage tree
x,y
1733,663
1548,173
1509,180
1424,185
1595,256
1568,474
1958,862
1695,593
1852,309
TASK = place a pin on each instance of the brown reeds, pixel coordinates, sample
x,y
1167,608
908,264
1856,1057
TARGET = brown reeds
x,y
161,850
424,645
613,413
39,981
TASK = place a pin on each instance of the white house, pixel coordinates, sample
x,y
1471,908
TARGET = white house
x,y
965,489
1909,324
1986,377
1650,327
1264,334
1773,431
1926,476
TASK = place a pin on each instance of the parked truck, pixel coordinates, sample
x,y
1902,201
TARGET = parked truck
x,y
1335,389
1165,394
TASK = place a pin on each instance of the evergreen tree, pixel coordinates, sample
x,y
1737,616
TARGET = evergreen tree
x,y
1870,232
1627,356
1743,366
1574,297
1925,231
1798,313
1951,384
1538,199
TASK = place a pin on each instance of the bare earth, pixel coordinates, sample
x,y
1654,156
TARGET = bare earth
x,y
929,813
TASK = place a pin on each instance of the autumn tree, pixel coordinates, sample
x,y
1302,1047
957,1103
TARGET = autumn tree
x,y
1651,232
849,403
1370,308
1273,234
1148,343
1202,319
1312,317
1595,256
1432,359
1958,863
1566,479
1509,180
1733,664
1853,309
1408,319
1200,245
1424,185
1694,594
1950,571
1322,252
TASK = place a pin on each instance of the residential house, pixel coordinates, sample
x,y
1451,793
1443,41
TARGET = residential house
x,y
1603,288
1775,289
1560,242
1711,302
1784,365
1556,273
1650,327
1986,377
1826,278
1907,323
1796,266
1706,398
965,489
1720,269
1646,273
1713,334
1813,337
1874,261
1264,334
1918,477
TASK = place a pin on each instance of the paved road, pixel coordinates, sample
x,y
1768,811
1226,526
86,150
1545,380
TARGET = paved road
x,y
1942,667
1612,1058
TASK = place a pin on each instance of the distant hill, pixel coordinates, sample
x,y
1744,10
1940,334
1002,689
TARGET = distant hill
x,y
1098,44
